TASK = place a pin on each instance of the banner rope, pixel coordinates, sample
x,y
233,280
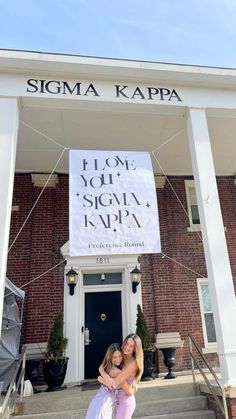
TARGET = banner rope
x,y
46,183
54,168
173,190
164,255
39,276
43,135
169,140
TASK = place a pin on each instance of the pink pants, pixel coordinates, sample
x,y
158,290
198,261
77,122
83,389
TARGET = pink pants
x,y
125,405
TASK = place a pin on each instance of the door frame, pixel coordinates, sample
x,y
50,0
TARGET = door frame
x,y
74,305
101,289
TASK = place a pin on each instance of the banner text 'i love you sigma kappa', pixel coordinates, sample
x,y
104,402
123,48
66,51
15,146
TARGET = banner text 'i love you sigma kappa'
x,y
113,204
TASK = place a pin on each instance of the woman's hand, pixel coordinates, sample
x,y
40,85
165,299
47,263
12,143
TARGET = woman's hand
x,y
108,382
135,386
127,388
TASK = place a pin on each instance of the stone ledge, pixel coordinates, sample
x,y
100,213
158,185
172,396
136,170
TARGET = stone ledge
x,y
160,181
35,351
168,340
230,391
39,180
209,350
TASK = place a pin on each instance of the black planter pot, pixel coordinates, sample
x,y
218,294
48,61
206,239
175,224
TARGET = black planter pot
x,y
54,373
169,360
32,371
149,365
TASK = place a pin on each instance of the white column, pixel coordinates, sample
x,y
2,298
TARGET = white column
x,y
9,120
215,247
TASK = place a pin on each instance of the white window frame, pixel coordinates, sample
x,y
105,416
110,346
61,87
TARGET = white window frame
x,y
192,227
209,346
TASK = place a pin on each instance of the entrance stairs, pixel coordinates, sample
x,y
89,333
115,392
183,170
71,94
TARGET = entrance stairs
x,y
157,399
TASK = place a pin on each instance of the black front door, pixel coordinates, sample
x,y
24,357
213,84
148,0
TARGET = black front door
x,y
104,322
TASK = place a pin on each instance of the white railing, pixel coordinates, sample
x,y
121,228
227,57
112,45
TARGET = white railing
x,y
16,384
221,403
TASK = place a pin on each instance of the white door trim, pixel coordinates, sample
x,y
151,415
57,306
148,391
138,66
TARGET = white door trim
x,y
74,305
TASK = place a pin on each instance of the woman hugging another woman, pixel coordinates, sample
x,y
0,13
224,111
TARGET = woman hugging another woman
x,y
120,371
124,385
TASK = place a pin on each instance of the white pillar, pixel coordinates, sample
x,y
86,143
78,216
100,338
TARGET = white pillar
x,y
215,247
9,119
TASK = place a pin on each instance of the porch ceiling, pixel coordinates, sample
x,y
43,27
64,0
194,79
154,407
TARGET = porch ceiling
x,y
110,127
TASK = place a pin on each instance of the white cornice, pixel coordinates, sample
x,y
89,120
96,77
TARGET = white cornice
x,y
68,65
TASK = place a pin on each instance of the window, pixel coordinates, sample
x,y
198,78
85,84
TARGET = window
x,y
206,313
193,213
102,278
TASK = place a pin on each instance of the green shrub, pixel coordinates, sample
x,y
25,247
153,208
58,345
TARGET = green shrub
x,y
57,343
142,329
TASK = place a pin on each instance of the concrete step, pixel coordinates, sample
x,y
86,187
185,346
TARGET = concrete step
x,y
198,414
165,408
78,398
170,406
153,401
154,391
59,401
67,414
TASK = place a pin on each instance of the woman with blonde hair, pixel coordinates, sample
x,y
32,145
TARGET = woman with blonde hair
x,y
103,404
132,371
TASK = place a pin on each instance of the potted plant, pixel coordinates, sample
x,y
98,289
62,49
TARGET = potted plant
x,y
55,362
148,351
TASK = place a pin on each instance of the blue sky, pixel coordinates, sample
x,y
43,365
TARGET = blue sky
x,y
179,31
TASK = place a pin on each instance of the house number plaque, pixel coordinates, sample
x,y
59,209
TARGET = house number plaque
x,y
102,260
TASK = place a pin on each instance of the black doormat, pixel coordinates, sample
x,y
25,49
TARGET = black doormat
x,y
90,386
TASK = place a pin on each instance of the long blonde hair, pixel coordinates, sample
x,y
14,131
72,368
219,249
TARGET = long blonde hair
x,y
106,363
137,354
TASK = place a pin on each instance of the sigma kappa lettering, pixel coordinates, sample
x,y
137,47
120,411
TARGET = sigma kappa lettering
x,y
149,93
56,87
78,88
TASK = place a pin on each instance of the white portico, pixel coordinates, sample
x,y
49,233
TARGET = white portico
x,y
91,103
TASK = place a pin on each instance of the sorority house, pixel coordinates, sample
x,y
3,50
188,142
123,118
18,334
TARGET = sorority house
x,y
184,118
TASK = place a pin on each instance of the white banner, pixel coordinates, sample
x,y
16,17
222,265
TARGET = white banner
x,y
113,204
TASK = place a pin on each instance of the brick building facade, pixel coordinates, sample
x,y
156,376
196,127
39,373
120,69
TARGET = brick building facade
x,y
169,284
185,117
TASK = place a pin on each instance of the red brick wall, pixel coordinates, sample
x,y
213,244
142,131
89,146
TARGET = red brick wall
x,y
212,405
232,408
170,291
170,297
36,250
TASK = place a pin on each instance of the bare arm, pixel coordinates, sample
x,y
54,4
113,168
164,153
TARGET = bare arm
x,y
129,371
127,388
105,382
104,378
103,373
